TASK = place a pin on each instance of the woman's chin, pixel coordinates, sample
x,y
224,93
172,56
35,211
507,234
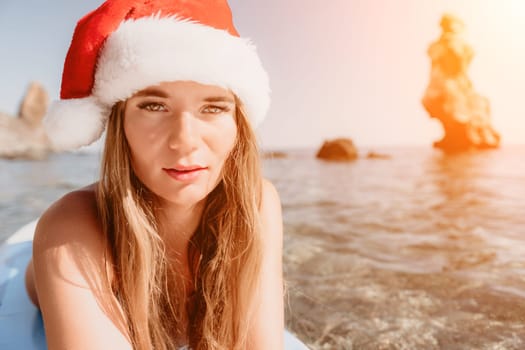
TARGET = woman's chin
x,y
183,198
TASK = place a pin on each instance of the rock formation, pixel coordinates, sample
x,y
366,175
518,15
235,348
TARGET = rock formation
x,y
24,136
274,155
375,155
341,149
450,96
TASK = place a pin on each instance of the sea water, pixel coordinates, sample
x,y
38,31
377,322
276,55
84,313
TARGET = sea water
x,y
418,250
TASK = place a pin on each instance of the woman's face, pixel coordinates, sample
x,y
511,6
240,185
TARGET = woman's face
x,y
180,134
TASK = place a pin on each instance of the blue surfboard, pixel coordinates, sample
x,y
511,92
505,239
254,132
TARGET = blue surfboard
x,y
21,326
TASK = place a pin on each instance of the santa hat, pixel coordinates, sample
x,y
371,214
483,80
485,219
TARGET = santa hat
x,y
125,46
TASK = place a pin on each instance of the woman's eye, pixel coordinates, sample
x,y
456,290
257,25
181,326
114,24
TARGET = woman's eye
x,y
152,107
214,109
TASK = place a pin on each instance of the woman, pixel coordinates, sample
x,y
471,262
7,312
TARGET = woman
x,y
180,241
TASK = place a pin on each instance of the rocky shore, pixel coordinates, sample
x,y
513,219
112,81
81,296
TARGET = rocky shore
x,y
23,136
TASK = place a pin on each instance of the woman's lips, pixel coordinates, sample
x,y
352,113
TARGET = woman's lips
x,y
185,174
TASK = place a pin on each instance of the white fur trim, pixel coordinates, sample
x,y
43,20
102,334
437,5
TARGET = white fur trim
x,y
73,123
151,50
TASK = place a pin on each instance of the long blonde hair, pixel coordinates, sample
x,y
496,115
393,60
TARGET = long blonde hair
x,y
224,253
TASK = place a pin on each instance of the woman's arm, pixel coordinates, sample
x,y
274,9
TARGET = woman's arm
x,y
268,327
68,261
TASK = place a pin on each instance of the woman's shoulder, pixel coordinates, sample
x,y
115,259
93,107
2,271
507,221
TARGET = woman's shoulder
x,y
71,220
270,201
271,212
71,276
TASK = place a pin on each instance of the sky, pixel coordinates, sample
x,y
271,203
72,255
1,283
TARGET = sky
x,y
338,68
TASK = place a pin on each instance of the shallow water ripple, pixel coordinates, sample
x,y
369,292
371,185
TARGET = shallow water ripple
x,y
421,251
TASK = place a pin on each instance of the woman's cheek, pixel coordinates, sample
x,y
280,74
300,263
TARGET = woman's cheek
x,y
143,135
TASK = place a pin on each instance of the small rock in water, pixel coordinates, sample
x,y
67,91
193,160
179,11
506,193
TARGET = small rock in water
x,y
342,149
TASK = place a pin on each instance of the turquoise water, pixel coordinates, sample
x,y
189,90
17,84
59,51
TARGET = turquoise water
x,y
418,251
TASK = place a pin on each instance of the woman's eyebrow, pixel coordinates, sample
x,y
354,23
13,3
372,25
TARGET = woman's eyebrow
x,y
152,92
219,99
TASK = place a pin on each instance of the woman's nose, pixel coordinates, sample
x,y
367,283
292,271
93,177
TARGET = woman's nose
x,y
183,133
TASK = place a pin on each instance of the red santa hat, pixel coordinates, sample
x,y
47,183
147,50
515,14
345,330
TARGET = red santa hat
x,y
125,46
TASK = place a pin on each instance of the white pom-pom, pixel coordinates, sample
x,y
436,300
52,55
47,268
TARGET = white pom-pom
x,y
74,123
